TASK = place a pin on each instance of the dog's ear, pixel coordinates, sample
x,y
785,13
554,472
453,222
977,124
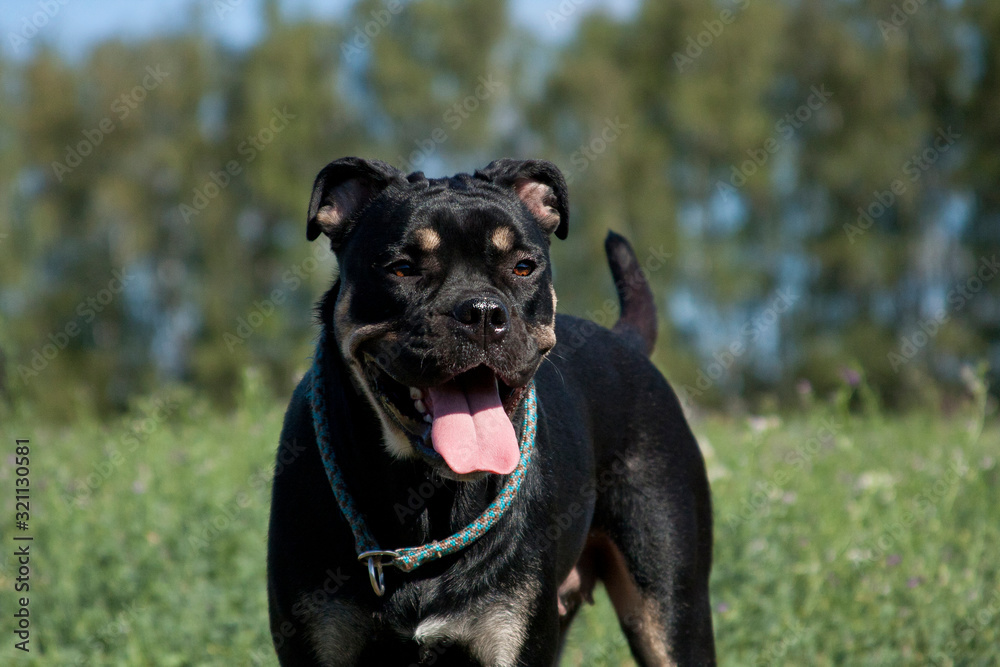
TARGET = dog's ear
x,y
342,189
537,183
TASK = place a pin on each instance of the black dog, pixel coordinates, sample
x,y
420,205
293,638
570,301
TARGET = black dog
x,y
442,316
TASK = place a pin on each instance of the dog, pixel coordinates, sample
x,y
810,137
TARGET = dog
x,y
444,379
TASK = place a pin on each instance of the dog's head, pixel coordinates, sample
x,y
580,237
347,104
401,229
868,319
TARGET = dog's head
x,y
445,307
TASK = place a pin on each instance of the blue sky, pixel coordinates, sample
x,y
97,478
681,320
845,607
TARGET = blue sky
x,y
75,25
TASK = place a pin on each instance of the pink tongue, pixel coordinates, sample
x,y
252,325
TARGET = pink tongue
x,y
471,431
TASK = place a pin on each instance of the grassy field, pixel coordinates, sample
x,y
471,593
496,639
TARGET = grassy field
x,y
840,540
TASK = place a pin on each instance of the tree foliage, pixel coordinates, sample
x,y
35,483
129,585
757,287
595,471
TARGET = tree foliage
x,y
811,186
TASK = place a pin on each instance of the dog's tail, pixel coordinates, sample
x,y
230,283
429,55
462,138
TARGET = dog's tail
x,y
637,322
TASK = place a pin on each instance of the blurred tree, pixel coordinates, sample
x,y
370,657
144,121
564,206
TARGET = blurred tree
x,y
811,186
434,78
977,39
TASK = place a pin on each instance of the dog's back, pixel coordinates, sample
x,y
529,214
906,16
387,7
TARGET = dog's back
x,y
650,535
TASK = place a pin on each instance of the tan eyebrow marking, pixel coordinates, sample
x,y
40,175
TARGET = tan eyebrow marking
x,y
503,238
428,239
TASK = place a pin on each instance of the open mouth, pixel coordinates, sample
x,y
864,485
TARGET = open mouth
x,y
464,421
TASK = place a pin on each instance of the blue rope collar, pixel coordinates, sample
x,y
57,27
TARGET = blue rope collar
x,y
409,558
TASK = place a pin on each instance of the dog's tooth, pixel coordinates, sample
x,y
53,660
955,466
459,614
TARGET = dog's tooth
x,y
419,405
428,419
416,393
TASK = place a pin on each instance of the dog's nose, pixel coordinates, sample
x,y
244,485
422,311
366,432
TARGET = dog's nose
x,y
483,316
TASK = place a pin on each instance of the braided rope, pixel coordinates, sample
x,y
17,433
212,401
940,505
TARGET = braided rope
x,y
363,540
412,557
407,559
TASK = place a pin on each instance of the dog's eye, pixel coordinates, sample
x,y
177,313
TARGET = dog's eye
x,y
402,269
524,268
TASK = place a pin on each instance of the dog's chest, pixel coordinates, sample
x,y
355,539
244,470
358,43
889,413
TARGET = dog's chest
x,y
492,630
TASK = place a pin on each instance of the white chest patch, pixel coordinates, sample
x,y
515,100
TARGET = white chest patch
x,y
493,633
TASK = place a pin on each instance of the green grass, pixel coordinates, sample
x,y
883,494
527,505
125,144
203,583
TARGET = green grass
x,y
854,541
